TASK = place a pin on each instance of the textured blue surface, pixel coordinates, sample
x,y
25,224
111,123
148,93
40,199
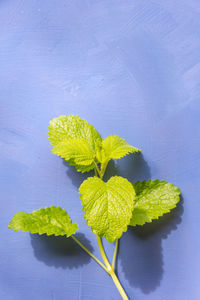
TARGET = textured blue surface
x,y
130,68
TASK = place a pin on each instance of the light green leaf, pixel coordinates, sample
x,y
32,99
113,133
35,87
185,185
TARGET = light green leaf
x,y
78,150
72,127
108,205
50,220
153,199
75,140
81,168
114,147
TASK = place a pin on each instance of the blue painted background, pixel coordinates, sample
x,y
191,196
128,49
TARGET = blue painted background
x,y
132,68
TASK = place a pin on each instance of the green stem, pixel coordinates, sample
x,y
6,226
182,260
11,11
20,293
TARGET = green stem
x,y
88,252
103,254
96,169
111,271
119,286
115,254
103,168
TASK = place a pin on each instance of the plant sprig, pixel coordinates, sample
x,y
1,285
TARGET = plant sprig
x,y
110,207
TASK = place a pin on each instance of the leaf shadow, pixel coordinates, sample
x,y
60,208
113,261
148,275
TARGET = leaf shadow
x,y
76,177
133,167
142,263
59,251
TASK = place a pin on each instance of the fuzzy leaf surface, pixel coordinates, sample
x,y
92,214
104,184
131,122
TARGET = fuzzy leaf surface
x,y
50,220
108,205
153,199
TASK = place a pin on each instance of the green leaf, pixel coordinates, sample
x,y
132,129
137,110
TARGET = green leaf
x,y
72,127
78,150
114,147
81,168
153,199
108,205
75,140
49,220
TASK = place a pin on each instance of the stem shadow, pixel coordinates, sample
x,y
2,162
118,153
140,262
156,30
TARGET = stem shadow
x,y
59,251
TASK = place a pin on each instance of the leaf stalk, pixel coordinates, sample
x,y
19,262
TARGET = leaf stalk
x,y
115,254
88,252
96,169
111,270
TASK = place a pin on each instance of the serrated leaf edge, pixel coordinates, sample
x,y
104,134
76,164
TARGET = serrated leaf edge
x,y
166,212
62,209
128,151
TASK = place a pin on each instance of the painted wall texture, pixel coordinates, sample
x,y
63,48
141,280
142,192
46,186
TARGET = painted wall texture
x,y
132,68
